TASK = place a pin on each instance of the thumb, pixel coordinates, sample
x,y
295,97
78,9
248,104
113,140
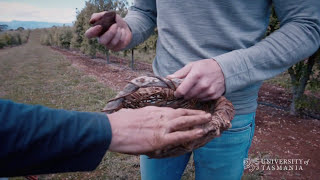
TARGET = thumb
x,y
182,73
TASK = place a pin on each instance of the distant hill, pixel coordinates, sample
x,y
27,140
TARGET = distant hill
x,y
32,24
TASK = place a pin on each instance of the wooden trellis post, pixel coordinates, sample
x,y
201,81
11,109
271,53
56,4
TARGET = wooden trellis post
x,y
132,59
107,54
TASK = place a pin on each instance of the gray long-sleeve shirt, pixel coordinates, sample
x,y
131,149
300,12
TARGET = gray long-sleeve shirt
x,y
231,32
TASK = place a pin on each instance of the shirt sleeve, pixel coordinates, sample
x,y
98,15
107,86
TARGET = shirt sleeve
x,y
39,140
142,20
297,38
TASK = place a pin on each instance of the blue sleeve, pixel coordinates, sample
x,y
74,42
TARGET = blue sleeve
x,y
297,38
39,140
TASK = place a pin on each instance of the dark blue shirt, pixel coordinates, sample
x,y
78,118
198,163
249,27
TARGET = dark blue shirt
x,y
40,140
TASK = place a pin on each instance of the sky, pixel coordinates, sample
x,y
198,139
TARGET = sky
x,y
62,11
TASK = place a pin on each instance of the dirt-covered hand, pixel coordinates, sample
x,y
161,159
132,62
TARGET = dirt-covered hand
x,y
116,38
140,131
203,80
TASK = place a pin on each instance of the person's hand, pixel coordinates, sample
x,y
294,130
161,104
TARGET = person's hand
x,y
203,80
139,131
116,38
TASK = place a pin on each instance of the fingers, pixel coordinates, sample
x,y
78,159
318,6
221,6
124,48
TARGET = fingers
x,y
200,88
203,80
115,40
214,92
209,98
180,137
122,41
106,38
93,31
171,113
186,85
182,73
96,16
188,112
208,95
185,122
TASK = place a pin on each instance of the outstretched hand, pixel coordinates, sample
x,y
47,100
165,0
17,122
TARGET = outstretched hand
x,y
116,38
203,80
139,131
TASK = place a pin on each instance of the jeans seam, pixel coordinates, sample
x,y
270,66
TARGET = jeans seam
x,y
251,136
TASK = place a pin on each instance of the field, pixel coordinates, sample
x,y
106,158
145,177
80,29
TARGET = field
x,y
36,74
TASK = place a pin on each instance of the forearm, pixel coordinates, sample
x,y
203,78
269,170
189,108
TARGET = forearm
x,y
297,39
141,19
38,140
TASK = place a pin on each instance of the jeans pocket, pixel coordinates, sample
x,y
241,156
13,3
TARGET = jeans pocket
x,y
239,129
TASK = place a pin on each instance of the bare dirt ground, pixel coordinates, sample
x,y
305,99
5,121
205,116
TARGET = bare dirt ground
x,y
278,135
283,136
116,74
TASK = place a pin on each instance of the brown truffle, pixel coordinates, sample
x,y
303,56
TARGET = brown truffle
x,y
106,21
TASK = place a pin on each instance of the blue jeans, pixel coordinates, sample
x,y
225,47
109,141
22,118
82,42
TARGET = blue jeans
x,y
221,159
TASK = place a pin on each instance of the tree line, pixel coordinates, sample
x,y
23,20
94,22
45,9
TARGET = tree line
x,y
14,38
74,38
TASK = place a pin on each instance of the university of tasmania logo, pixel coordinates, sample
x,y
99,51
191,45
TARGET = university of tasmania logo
x,y
275,164
251,164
